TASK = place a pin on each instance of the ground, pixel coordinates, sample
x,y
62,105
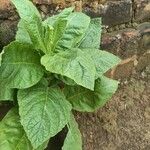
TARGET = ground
x,y
124,123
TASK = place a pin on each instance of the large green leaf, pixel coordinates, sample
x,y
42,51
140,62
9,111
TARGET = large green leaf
x,y
85,100
12,135
73,140
20,66
44,112
31,22
77,24
69,29
74,64
92,37
55,27
103,60
6,93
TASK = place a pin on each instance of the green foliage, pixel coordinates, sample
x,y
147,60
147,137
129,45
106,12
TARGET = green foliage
x,y
73,140
85,100
44,111
74,64
52,67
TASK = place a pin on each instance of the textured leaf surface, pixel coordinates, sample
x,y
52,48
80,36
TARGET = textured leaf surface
x,y
73,140
12,135
44,112
20,66
85,100
69,28
103,60
65,80
32,22
92,36
76,26
6,93
22,34
74,64
48,36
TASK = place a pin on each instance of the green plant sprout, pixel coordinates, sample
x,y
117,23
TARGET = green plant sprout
x,y
53,67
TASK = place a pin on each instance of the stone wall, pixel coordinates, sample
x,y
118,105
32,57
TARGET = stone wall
x,y
126,33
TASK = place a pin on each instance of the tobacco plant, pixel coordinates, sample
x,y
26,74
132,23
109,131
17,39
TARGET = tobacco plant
x,y
53,67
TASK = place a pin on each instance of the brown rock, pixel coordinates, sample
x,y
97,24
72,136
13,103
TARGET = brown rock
x,y
124,43
117,12
124,69
112,12
4,4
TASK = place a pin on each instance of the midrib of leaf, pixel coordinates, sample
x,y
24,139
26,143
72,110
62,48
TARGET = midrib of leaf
x,y
84,37
82,69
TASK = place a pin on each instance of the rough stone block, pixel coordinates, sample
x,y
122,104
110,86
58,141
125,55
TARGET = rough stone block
x,y
112,12
124,69
124,43
117,12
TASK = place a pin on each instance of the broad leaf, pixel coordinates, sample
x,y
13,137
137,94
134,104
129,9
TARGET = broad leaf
x,y
59,23
73,140
6,93
20,66
44,112
31,22
77,24
92,37
103,60
68,31
85,100
74,64
12,135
